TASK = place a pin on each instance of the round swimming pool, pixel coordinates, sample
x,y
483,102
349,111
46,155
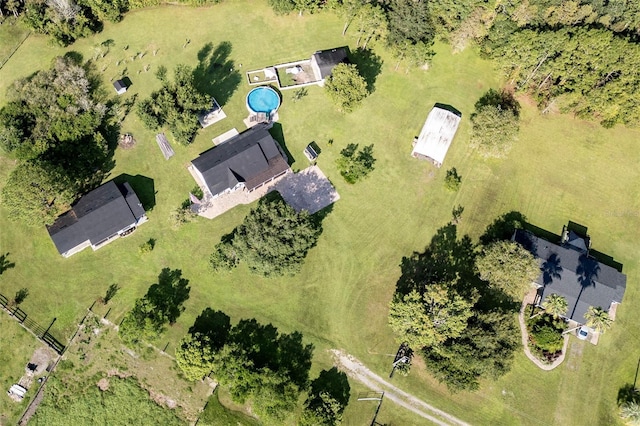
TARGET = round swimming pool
x,y
263,99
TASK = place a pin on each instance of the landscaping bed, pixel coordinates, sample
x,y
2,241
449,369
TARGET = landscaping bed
x,y
545,335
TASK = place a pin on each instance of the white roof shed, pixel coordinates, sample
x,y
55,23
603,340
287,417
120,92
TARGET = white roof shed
x,y
436,135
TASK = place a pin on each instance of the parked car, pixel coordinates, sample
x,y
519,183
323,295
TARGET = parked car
x,y
583,332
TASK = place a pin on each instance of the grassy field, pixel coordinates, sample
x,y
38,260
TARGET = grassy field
x,y
16,347
561,169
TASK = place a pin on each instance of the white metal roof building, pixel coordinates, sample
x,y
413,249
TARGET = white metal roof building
x,y
436,136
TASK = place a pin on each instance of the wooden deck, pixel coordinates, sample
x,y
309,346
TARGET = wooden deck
x,y
164,145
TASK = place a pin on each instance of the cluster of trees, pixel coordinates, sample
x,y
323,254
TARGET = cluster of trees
x,y
456,304
260,366
273,240
579,56
495,123
355,165
162,305
68,20
176,105
57,125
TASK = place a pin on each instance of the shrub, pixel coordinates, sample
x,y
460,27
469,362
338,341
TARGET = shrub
x,y
453,180
147,246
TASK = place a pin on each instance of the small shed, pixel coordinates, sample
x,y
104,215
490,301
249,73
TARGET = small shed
x,y
17,391
310,153
323,61
436,135
120,86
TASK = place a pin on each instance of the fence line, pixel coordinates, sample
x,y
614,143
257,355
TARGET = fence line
x,y
37,398
15,49
33,327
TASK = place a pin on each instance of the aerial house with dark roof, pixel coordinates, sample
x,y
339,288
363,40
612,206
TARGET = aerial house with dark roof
x,y
104,214
243,163
568,269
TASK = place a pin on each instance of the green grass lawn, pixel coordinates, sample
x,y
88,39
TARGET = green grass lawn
x,y
560,169
16,347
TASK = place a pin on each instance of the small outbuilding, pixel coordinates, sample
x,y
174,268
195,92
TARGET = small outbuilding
x,y
323,61
436,136
120,86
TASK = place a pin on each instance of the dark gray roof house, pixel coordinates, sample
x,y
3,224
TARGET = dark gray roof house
x,y
246,161
104,214
568,270
323,61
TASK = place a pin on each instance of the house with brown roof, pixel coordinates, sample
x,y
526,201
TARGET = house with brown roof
x,y
245,162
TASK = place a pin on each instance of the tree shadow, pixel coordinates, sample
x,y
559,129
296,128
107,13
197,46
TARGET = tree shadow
x,y
143,186
502,99
216,74
169,294
216,325
284,353
369,65
628,393
503,227
333,382
5,263
278,135
551,269
444,259
587,272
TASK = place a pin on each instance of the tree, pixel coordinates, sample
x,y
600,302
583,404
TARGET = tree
x,y
195,356
355,165
162,304
347,10
176,105
326,412
346,87
428,320
36,193
598,319
282,7
630,412
452,180
555,305
495,124
371,24
411,30
143,322
484,350
508,267
20,296
273,240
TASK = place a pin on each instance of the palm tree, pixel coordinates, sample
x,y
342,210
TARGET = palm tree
x,y
555,305
630,411
598,319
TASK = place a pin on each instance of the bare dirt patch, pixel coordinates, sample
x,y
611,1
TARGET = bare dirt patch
x,y
103,384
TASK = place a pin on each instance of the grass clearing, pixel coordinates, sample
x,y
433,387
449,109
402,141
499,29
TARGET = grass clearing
x,y
560,169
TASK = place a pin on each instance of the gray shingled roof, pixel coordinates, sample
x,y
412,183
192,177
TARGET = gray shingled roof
x,y
97,215
252,157
571,273
327,59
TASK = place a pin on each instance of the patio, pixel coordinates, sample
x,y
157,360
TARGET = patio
x,y
308,190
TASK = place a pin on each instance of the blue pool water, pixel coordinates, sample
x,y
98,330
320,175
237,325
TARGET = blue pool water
x,y
263,99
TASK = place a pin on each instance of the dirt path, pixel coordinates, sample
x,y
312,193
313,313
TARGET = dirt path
x,y
358,371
